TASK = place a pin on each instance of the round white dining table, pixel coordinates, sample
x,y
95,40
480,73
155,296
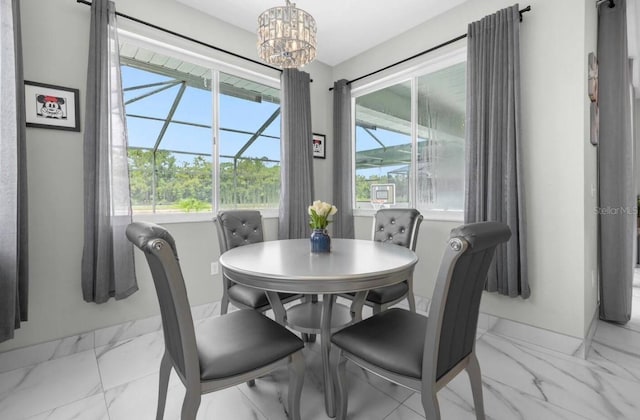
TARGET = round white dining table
x,y
353,265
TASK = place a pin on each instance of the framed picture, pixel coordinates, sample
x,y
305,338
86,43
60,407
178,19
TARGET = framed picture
x,y
319,150
48,106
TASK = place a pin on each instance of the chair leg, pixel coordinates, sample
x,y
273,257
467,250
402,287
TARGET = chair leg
x,y
357,303
190,404
475,377
296,380
224,304
412,301
340,377
430,404
251,383
165,372
411,298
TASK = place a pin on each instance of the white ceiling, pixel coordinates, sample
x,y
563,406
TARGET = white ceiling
x,y
345,27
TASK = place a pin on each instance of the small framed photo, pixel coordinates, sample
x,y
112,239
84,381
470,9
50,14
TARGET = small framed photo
x,y
49,106
319,150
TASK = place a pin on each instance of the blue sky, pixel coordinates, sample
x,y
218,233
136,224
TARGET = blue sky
x,y
196,107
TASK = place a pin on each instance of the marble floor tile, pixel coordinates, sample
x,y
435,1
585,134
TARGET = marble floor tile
x,y
92,408
562,381
501,402
130,359
128,330
206,311
614,361
618,337
270,395
35,389
138,399
397,392
50,350
634,322
549,339
404,413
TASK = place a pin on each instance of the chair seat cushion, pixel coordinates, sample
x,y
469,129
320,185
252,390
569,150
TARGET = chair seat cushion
x,y
392,340
386,294
251,297
241,341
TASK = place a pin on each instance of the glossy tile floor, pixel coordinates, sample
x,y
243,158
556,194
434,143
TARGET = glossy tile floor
x,y
521,381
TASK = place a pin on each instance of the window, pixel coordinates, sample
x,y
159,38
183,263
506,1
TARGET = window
x,y
409,139
175,110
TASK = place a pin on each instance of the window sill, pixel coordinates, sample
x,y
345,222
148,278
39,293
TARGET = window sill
x,y
430,215
167,218
173,217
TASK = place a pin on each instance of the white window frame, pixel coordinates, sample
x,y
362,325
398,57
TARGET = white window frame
x,y
184,50
409,72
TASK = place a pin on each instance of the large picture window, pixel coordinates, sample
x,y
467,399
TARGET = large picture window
x,y
409,141
175,111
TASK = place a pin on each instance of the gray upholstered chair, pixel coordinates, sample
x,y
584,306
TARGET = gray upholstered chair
x,y
400,227
425,353
223,351
237,228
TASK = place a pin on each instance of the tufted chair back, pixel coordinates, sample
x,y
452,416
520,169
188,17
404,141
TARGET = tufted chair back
x,y
238,227
397,226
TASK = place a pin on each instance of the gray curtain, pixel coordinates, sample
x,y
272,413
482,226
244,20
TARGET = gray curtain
x,y
615,165
296,166
342,161
107,260
494,189
14,258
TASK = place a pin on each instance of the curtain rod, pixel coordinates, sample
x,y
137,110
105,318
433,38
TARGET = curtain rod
x,y
444,44
151,25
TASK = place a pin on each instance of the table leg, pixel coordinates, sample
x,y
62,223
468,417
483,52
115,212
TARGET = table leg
x,y
325,334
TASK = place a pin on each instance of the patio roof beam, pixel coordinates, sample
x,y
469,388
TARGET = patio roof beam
x,y
258,133
172,111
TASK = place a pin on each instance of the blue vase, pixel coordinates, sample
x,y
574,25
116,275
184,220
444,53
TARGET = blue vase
x,y
320,241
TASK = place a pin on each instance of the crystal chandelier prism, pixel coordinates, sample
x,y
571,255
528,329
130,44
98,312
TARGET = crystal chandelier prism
x,y
286,36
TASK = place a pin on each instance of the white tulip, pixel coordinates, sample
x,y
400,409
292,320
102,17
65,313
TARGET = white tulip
x,y
333,211
326,208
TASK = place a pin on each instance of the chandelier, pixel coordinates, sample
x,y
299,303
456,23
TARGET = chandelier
x,y
286,36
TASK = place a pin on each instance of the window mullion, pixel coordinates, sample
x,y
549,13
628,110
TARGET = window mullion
x,y
413,184
215,133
